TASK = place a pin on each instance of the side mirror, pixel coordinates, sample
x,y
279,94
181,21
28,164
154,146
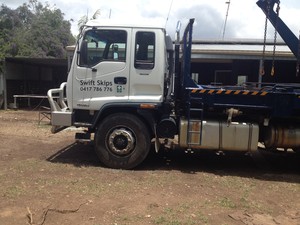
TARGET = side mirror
x,y
83,53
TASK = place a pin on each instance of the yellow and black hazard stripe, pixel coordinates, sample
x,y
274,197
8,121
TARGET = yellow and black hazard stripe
x,y
228,92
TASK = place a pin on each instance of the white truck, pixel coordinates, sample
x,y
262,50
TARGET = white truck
x,y
130,85
117,86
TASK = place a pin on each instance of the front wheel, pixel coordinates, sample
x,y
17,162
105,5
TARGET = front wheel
x,y
122,141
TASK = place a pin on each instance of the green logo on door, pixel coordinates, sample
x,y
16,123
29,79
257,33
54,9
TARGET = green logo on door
x,y
119,89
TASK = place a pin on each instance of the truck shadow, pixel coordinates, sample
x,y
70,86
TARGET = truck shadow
x,y
261,165
279,166
79,155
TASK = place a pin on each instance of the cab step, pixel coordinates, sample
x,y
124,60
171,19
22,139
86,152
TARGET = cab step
x,y
83,137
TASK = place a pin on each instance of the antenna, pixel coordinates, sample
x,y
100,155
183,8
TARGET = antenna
x,y
169,13
225,23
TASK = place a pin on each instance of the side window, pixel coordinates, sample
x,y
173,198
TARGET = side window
x,y
144,50
102,45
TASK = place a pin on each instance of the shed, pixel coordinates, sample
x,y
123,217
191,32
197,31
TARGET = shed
x,y
31,77
231,62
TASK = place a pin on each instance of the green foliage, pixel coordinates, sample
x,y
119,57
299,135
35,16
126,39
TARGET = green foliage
x,y
34,30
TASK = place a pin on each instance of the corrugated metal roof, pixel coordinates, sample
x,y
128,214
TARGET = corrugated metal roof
x,y
239,49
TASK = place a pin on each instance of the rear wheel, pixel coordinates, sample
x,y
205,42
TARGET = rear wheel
x,y
122,141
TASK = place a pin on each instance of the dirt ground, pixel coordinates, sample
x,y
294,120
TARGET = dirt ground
x,y
49,179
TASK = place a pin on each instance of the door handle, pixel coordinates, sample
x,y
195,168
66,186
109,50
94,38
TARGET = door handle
x,y
120,80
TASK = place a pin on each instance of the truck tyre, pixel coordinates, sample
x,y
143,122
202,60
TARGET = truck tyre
x,y
122,141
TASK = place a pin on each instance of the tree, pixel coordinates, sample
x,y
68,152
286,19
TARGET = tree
x,y
34,30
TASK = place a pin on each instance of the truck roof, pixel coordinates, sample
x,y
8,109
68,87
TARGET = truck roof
x,y
129,24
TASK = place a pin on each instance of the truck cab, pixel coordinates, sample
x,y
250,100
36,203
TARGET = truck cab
x,y
113,65
118,87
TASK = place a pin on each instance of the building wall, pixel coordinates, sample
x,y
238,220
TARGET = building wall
x,y
229,72
1,90
23,78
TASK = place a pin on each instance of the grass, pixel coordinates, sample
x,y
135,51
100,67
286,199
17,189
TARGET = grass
x,y
227,203
183,214
13,192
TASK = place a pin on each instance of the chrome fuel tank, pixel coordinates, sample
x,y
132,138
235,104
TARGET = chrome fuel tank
x,y
282,137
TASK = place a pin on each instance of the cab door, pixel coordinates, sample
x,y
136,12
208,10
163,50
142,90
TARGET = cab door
x,y
147,65
102,73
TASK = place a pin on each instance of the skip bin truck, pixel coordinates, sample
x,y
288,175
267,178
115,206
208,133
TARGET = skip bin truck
x,y
126,87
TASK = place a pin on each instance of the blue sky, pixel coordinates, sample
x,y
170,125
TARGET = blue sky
x,y
245,19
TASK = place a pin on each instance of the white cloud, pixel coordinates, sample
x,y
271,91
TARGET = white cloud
x,y
245,19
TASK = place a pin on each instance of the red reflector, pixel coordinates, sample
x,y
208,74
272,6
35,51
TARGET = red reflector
x,y
147,106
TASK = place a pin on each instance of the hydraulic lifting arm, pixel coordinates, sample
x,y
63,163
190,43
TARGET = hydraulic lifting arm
x,y
287,35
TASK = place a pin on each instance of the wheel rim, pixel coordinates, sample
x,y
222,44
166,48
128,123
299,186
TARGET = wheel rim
x,y
121,141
